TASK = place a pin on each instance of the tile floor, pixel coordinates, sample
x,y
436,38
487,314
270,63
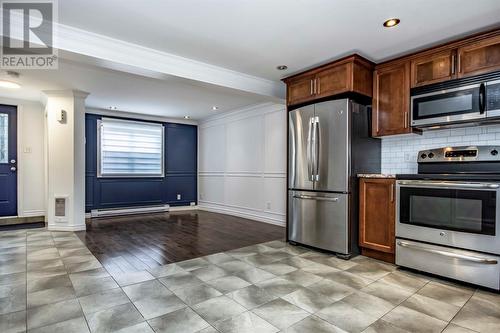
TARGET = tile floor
x,y
50,282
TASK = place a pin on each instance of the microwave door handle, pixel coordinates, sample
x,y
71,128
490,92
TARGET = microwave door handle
x,y
482,98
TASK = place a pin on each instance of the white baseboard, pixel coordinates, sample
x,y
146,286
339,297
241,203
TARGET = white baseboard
x,y
56,227
29,213
182,208
215,208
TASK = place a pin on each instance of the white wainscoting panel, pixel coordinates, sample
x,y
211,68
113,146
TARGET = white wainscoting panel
x,y
212,148
275,142
242,163
244,145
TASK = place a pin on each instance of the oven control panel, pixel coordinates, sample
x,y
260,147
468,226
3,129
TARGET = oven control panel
x,y
459,154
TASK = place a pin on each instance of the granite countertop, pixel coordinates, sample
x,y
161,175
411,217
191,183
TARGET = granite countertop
x,y
375,175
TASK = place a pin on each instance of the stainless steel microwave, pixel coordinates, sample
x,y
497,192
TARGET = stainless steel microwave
x,y
469,100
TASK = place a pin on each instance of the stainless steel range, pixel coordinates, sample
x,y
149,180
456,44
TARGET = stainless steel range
x,y
448,215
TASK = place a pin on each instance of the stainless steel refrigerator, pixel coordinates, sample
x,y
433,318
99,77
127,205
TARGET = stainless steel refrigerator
x,y
329,143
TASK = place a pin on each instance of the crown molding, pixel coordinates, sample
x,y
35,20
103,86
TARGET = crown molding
x,y
139,57
242,113
111,50
66,93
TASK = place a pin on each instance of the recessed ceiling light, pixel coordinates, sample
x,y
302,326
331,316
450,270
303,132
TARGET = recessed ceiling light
x,y
187,117
282,67
392,22
9,84
215,108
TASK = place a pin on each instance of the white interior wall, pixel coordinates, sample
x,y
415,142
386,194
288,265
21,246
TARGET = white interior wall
x,y
242,163
66,158
31,156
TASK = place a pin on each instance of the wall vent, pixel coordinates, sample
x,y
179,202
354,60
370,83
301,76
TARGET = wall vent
x,y
60,207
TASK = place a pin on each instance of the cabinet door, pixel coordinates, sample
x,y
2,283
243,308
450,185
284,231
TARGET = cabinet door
x,y
301,90
377,214
391,100
433,68
479,57
334,80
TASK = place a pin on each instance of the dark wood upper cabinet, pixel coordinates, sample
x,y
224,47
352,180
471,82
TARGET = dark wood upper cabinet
x,y
433,68
391,99
333,80
389,85
377,211
300,90
350,74
479,57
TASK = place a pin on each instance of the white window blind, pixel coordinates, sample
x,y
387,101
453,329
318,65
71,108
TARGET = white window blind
x,y
129,148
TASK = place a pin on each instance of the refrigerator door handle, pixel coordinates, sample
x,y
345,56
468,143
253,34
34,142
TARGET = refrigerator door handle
x,y
309,149
308,197
316,148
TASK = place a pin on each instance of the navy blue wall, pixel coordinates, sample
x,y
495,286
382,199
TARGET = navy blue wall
x,y
180,173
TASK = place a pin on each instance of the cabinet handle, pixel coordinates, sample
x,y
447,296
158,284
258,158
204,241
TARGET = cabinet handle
x,y
452,64
319,86
392,192
459,64
311,87
314,86
406,119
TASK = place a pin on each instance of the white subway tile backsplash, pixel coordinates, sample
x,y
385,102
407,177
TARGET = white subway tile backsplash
x,y
395,148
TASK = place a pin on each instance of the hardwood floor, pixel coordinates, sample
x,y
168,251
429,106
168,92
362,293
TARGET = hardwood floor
x,y
138,242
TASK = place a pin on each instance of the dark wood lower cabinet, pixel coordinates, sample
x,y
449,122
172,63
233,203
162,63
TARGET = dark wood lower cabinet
x,y
377,210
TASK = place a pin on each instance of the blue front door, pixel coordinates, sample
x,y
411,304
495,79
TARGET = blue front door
x,y
8,160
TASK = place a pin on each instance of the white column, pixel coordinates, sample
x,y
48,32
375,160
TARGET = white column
x,y
66,158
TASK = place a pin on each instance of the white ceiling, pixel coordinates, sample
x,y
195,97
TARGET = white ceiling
x,y
254,36
168,96
249,36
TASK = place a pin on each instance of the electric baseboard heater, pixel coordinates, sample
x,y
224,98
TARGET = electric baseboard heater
x,y
129,210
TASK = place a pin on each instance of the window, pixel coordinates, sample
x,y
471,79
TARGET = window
x,y
129,148
4,138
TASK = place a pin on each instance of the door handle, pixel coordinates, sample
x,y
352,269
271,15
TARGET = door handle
x,y
453,64
309,197
13,169
479,260
482,98
309,149
316,148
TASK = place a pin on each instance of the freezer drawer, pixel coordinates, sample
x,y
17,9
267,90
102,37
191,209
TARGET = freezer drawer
x,y
319,219
468,266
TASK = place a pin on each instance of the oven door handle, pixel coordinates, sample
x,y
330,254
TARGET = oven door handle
x,y
478,260
448,184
